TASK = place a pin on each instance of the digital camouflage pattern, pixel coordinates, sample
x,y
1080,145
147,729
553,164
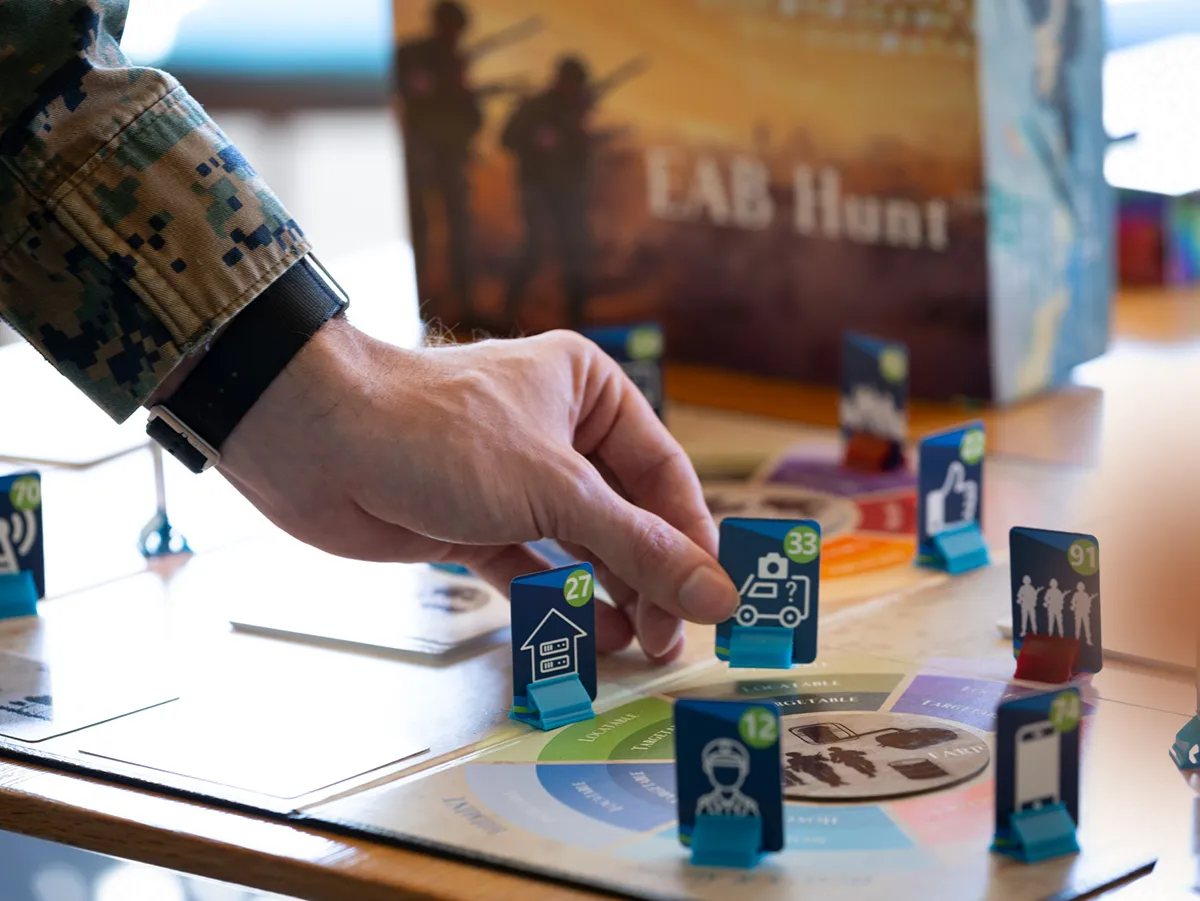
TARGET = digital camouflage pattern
x,y
130,227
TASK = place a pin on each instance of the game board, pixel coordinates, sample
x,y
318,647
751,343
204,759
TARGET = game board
x,y
594,803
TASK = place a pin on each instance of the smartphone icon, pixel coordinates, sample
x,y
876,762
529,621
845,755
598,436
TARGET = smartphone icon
x,y
1036,771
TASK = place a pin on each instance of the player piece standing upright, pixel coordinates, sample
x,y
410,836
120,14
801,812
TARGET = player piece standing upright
x,y
873,407
1068,563
776,564
1037,775
554,646
22,560
729,784
949,496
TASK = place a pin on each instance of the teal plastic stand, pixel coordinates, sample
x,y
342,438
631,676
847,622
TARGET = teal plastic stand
x,y
559,701
1186,749
719,841
760,647
1041,834
18,595
961,549
453,568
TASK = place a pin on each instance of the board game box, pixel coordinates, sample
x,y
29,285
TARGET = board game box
x,y
758,177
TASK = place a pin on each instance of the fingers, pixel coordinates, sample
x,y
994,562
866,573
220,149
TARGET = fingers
x,y
500,565
656,560
659,633
621,430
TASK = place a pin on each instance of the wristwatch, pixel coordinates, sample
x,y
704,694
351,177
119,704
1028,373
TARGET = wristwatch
x,y
194,422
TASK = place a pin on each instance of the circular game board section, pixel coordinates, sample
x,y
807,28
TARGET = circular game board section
x,y
855,756
837,515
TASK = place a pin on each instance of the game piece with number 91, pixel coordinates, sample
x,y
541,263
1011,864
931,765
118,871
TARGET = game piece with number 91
x,y
1055,580
554,646
776,565
729,780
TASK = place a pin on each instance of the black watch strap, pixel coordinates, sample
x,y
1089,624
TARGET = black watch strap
x,y
259,342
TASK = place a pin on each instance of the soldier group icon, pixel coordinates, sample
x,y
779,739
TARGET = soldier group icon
x,y
547,132
1054,601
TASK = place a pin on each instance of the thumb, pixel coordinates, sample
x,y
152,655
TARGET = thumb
x,y
656,560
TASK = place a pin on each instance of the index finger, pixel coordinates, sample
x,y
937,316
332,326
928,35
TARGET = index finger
x,y
651,468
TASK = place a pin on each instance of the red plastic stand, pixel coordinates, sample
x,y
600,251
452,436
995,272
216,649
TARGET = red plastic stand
x,y
872,453
1047,658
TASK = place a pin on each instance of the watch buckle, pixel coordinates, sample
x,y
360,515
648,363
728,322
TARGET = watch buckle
x,y
211,455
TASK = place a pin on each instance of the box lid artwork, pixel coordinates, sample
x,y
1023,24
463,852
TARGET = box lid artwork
x,y
761,179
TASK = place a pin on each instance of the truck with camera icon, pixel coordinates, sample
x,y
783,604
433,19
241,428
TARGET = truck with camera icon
x,y
772,596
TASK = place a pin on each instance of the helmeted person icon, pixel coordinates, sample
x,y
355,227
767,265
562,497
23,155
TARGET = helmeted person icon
x,y
1054,600
1081,610
726,763
1027,598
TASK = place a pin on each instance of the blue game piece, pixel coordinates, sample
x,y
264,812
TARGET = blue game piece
x,y
776,565
18,595
729,780
21,546
554,646
874,391
949,500
1055,579
639,350
454,569
1037,775
1043,834
1185,750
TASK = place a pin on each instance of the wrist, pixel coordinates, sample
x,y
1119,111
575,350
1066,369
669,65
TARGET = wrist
x,y
221,386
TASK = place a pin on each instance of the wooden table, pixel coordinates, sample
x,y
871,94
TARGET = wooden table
x,y
1124,431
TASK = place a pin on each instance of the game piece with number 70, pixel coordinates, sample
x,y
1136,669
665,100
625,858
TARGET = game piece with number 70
x,y
776,566
949,500
729,780
1055,580
554,646
22,564
1037,775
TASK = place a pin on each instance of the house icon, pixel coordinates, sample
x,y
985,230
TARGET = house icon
x,y
553,646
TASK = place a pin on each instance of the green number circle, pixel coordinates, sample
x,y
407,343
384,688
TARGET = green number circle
x,y
578,588
1065,712
1087,554
802,544
893,364
644,344
758,727
971,448
26,493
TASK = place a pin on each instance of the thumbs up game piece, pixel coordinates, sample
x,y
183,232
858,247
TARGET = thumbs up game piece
x,y
949,495
873,408
554,646
1055,603
776,564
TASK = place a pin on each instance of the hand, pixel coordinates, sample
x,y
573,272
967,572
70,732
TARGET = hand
x,y
463,453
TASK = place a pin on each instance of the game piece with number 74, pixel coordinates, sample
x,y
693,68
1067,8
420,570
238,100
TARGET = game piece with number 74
x,y
1055,580
1037,775
729,780
554,646
776,566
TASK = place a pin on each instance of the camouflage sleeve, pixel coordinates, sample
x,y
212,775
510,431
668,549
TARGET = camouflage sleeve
x,y
130,227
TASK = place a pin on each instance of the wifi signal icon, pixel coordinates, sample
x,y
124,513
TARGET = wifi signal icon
x,y
22,528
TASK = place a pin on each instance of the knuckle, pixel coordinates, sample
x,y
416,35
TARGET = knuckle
x,y
653,542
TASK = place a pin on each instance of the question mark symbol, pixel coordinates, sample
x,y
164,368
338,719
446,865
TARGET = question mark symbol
x,y
792,589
